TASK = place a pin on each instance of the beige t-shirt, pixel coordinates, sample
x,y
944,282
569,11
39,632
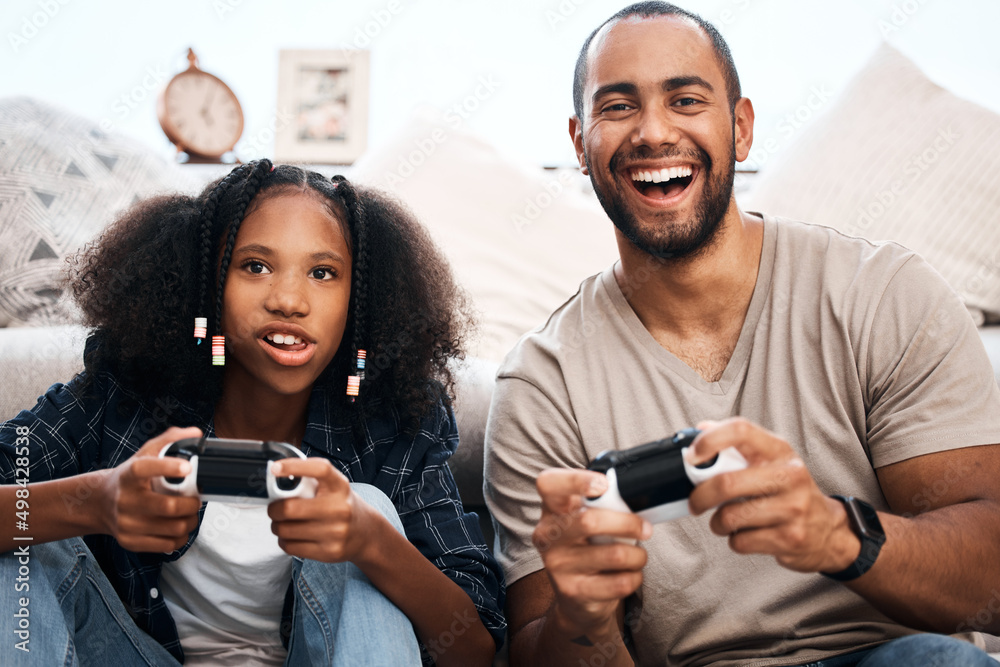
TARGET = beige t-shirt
x,y
858,354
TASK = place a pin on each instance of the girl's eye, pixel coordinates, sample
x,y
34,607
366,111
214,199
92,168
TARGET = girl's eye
x,y
256,267
323,274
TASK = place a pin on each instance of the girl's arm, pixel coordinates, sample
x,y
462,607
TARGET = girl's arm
x,y
118,502
337,526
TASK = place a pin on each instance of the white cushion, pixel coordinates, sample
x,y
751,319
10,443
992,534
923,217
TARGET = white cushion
x,y
897,157
520,240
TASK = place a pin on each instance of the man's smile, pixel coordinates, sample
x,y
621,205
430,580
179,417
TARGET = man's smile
x,y
667,185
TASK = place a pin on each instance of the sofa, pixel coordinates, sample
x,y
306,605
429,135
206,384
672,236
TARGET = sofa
x,y
520,238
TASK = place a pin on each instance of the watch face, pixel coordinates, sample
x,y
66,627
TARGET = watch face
x,y
200,114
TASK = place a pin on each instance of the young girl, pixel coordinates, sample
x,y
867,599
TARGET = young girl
x,y
322,316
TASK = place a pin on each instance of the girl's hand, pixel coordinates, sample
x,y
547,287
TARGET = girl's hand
x,y
140,518
336,526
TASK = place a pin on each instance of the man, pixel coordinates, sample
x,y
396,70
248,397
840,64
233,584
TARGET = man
x,y
833,365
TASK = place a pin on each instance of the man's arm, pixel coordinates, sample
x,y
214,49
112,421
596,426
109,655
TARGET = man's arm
x,y
939,560
573,609
537,636
940,565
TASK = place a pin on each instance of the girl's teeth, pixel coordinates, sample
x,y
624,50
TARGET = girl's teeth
x,y
284,339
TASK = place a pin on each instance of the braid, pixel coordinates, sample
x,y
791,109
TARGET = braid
x,y
259,169
357,222
205,231
356,214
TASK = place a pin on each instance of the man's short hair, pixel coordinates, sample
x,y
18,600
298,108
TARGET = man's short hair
x,y
650,10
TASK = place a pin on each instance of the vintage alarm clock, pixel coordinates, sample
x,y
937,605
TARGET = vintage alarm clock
x,y
200,114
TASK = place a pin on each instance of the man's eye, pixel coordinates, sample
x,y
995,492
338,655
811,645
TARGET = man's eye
x,y
613,108
686,102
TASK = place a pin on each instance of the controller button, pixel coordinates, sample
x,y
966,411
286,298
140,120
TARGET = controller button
x,y
287,483
707,464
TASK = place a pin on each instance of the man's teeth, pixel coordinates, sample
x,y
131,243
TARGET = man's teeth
x,y
661,175
284,339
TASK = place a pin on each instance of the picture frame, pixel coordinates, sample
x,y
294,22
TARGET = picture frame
x,y
322,106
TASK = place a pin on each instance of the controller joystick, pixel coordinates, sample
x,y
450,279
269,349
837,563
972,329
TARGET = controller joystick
x,y
234,471
655,479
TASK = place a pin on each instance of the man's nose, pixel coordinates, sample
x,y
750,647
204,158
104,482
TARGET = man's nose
x,y
655,128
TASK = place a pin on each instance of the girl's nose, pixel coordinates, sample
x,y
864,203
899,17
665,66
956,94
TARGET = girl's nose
x,y
287,297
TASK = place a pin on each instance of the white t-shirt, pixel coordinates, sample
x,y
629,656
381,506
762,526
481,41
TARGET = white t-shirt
x,y
227,591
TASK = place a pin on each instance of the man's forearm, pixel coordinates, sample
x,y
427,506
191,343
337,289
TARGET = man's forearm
x,y
547,641
53,510
938,571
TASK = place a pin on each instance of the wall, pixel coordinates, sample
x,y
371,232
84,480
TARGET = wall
x,y
505,66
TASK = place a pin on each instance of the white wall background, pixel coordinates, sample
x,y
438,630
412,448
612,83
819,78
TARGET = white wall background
x,y
107,59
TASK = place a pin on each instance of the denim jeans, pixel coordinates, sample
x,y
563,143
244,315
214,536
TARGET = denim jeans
x,y
925,650
76,618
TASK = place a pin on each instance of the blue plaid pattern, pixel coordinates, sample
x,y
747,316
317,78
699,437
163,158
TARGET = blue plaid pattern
x,y
72,434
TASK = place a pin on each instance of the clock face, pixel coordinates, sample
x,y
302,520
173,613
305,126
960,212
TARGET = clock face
x,y
200,114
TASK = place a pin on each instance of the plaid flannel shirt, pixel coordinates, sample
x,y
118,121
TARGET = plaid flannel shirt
x,y
70,434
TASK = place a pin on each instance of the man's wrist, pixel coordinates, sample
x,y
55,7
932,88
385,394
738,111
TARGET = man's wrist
x,y
845,545
574,631
864,521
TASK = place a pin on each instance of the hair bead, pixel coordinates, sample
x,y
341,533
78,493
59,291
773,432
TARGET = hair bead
x,y
200,328
218,350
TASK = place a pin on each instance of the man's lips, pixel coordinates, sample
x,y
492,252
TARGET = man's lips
x,y
662,186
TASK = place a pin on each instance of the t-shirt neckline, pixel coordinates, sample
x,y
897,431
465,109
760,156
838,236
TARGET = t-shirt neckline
x,y
744,344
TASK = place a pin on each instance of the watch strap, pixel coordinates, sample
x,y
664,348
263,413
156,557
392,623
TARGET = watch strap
x,y
866,525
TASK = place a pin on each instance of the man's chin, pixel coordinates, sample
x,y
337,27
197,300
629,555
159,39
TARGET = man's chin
x,y
662,248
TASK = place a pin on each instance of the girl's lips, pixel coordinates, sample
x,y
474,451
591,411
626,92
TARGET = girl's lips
x,y
298,354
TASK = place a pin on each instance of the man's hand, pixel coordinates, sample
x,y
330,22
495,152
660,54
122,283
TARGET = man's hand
x,y
140,518
774,506
335,526
589,580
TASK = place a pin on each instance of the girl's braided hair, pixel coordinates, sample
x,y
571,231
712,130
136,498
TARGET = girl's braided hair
x,y
164,262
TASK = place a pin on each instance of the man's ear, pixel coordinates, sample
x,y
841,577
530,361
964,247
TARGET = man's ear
x,y
576,134
743,128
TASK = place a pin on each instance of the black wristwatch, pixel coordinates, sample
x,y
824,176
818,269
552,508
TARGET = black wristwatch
x,y
865,524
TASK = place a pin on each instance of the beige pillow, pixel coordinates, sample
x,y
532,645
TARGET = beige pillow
x,y
62,180
897,157
519,239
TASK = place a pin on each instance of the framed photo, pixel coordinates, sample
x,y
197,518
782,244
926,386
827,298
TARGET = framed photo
x,y
322,106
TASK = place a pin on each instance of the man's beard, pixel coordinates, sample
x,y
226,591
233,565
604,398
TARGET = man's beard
x,y
668,237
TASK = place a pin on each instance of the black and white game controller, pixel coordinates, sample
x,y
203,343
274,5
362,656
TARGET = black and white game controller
x,y
654,480
234,471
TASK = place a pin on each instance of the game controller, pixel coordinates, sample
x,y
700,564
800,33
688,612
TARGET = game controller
x,y
234,471
655,479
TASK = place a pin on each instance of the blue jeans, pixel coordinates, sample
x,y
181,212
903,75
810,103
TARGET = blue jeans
x,y
76,618
925,650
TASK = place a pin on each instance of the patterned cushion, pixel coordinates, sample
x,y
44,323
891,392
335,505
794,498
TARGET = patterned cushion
x,y
899,158
61,181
